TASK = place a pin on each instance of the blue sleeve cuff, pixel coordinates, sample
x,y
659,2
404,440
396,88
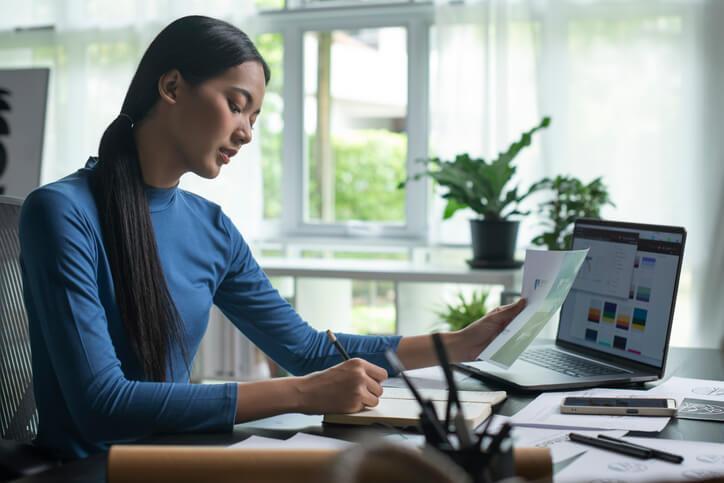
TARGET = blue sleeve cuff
x,y
232,393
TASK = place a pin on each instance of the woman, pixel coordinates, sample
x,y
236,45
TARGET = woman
x,y
120,269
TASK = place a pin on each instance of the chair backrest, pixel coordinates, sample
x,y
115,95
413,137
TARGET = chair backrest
x,y
18,413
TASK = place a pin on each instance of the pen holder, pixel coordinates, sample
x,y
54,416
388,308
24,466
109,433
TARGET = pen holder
x,y
484,467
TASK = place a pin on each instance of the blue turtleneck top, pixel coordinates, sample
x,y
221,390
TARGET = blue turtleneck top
x,y
88,383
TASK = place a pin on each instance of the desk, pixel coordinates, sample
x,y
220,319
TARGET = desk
x,y
698,363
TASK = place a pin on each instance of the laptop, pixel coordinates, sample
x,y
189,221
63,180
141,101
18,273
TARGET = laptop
x,y
615,323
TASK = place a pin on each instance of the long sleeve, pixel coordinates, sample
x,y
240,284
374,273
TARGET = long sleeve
x,y
246,296
61,253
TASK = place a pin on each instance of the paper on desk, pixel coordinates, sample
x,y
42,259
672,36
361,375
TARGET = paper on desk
x,y
313,441
418,440
544,411
682,387
547,278
701,460
556,440
523,437
701,399
258,442
298,441
406,439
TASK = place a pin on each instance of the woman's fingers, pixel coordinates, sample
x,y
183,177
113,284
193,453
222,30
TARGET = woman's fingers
x,y
370,400
366,378
377,373
374,387
506,313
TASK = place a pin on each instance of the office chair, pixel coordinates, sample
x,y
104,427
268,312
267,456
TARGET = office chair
x,y
18,413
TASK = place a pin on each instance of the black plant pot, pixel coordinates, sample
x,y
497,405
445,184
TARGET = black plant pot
x,y
493,242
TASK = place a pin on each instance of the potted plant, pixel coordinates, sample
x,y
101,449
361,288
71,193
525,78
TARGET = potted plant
x,y
571,199
485,188
459,316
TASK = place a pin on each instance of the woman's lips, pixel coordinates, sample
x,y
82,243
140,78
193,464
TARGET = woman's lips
x,y
226,154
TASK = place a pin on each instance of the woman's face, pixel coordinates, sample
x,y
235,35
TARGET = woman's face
x,y
215,118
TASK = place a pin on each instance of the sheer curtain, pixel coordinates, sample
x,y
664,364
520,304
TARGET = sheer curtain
x,y
632,89
92,49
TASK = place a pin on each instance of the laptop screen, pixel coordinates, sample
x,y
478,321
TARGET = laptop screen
x,y
622,300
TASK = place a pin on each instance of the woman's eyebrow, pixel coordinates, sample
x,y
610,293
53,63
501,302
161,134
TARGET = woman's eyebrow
x,y
246,94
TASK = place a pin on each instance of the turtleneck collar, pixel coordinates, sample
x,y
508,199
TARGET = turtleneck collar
x,y
160,198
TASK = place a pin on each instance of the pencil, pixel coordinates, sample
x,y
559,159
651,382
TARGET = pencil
x,y
333,339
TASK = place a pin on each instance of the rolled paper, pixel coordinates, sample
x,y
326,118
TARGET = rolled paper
x,y
182,464
533,464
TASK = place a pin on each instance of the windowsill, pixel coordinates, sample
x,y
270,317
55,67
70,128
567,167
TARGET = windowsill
x,y
318,242
393,270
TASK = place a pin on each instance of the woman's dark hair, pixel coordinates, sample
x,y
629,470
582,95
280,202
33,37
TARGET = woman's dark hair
x,y
199,48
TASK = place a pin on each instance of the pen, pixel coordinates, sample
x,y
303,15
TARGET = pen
x,y
333,339
498,438
655,453
461,429
436,433
611,446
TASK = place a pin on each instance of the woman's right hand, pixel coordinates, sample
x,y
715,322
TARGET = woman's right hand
x,y
347,387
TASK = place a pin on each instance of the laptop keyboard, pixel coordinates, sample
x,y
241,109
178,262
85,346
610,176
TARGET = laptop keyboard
x,y
566,363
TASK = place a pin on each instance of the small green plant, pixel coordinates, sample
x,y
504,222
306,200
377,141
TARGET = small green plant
x,y
465,312
480,185
571,199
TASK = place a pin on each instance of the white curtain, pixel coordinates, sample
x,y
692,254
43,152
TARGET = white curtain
x,y
633,89
93,49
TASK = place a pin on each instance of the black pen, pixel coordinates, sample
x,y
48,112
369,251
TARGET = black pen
x,y
495,442
428,409
333,339
464,435
655,453
611,446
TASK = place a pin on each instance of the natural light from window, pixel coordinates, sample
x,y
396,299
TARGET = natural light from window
x,y
355,124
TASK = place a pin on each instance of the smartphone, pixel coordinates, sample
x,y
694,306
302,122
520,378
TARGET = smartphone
x,y
619,406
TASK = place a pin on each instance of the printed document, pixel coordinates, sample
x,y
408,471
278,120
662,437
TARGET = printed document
x,y
701,399
547,279
298,441
701,461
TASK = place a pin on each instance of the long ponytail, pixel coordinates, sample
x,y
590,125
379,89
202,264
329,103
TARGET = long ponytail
x,y
150,317
200,48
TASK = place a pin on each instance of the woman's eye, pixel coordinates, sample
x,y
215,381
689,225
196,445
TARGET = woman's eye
x,y
234,108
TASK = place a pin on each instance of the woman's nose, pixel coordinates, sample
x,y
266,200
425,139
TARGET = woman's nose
x,y
243,134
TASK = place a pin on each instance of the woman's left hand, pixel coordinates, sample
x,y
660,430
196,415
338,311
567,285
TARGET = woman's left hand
x,y
475,337
463,345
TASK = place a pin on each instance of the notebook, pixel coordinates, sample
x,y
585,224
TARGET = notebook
x,y
398,407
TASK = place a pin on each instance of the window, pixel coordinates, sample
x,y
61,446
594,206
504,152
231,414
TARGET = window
x,y
271,124
352,133
355,110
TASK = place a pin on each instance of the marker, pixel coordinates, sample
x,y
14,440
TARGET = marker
x,y
655,453
611,446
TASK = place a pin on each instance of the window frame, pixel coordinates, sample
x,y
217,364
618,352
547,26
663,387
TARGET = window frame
x,y
417,19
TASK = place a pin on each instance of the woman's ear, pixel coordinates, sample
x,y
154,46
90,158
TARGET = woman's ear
x,y
168,85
